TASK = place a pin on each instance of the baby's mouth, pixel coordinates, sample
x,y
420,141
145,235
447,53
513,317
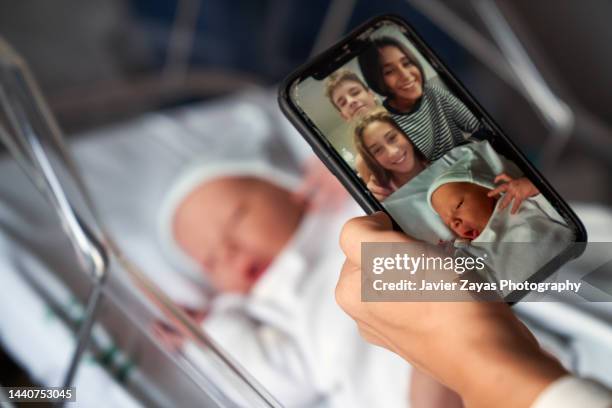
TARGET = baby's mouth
x,y
472,234
257,269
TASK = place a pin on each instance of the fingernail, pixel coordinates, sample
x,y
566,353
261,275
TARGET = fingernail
x,y
380,216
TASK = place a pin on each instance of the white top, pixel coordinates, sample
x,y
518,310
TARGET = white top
x,y
572,392
290,334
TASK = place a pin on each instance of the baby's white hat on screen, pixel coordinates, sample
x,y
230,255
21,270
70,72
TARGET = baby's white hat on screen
x,y
459,173
188,180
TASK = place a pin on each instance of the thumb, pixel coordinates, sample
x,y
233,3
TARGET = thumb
x,y
372,228
380,220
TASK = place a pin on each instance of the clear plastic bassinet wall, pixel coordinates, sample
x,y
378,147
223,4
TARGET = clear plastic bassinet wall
x,y
76,311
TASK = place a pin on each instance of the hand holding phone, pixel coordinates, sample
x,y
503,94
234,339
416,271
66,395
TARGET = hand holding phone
x,y
454,335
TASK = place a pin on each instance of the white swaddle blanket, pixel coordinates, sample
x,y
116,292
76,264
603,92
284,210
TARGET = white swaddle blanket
x,y
536,222
293,337
507,240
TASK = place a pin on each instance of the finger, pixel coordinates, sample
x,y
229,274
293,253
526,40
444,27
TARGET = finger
x,y
527,334
373,228
370,335
373,181
532,190
516,204
506,201
373,184
375,189
348,289
348,297
367,330
380,197
502,177
498,190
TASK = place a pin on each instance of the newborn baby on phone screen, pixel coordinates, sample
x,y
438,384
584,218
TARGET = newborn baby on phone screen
x,y
496,219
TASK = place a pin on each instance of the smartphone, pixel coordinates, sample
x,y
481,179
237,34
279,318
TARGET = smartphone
x,y
404,136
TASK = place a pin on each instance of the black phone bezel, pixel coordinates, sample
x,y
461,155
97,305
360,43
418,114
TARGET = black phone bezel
x,y
340,53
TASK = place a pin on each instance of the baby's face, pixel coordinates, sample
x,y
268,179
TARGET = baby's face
x,y
464,207
234,227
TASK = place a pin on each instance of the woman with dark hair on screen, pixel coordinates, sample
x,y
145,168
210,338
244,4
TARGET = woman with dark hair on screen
x,y
390,156
434,119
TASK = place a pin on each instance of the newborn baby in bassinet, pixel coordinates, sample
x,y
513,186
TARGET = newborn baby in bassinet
x,y
272,267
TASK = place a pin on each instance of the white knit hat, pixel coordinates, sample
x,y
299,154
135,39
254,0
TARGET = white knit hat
x,y
195,175
458,173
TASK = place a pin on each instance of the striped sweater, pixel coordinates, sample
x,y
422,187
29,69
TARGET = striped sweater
x,y
436,123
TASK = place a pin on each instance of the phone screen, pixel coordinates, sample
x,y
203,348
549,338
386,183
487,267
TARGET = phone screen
x,y
424,150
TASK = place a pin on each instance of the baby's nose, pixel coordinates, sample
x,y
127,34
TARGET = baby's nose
x,y
241,263
458,227
456,224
